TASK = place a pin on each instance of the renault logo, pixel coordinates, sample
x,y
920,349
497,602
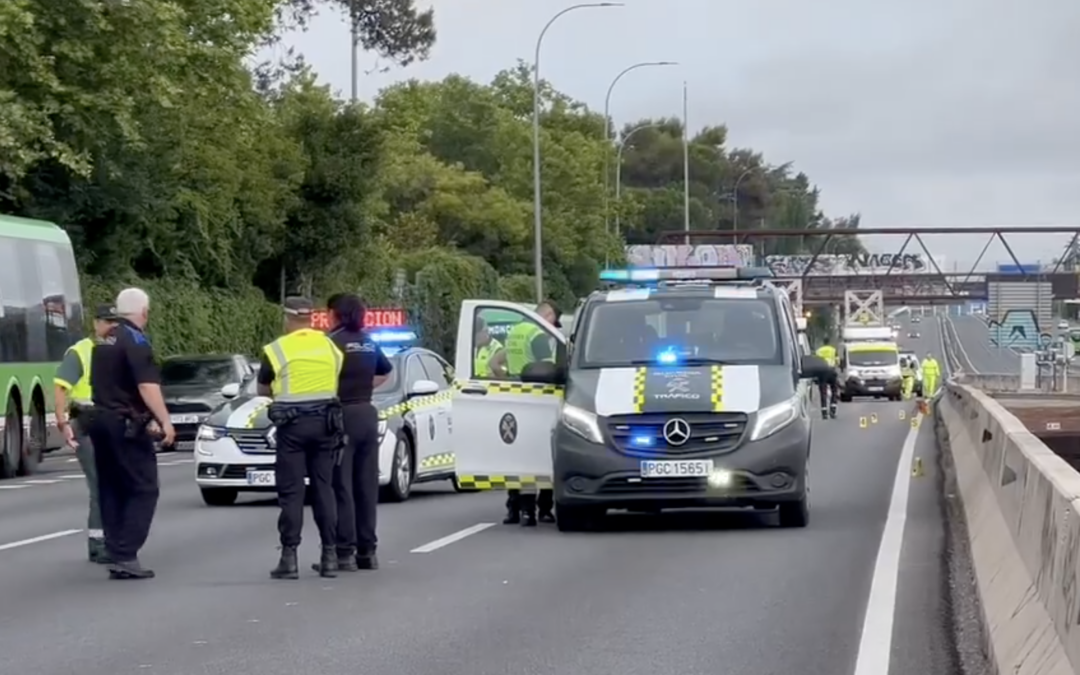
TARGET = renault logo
x,y
677,431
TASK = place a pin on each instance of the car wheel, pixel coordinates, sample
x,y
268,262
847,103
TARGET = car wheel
x,y
458,488
797,514
401,472
219,496
576,518
12,449
35,444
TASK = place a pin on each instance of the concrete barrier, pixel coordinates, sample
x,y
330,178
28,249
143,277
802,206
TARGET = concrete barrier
x,y
1022,506
1007,382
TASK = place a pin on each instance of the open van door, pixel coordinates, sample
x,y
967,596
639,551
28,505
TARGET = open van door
x,y
502,426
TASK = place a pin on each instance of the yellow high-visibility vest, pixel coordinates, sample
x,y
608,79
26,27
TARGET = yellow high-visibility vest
x,y
828,353
80,392
482,362
519,351
306,366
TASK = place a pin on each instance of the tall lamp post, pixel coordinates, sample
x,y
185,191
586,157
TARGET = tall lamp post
x,y
735,200
538,218
618,166
607,133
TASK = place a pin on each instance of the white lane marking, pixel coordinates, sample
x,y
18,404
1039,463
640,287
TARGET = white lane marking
x,y
38,540
13,487
959,343
73,460
73,476
452,538
875,645
39,481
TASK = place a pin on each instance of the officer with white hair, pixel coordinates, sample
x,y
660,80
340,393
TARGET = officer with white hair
x,y
127,400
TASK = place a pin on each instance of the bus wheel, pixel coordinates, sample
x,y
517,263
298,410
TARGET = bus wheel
x,y
35,443
13,441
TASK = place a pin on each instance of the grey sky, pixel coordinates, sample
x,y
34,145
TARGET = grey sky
x,y
921,112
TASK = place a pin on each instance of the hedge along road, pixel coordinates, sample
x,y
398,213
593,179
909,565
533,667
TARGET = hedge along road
x,y
675,593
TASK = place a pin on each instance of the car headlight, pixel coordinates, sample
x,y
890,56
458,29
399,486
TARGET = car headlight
x,y
382,428
581,422
208,433
271,437
774,418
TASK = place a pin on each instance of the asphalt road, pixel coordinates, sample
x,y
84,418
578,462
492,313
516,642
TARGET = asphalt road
x,y
682,593
976,348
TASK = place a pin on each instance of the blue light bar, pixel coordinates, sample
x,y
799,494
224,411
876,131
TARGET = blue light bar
x,y
686,274
393,336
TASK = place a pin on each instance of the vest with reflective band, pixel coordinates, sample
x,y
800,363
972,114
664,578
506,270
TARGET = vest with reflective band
x,y
930,367
519,352
828,353
907,371
482,362
80,391
306,366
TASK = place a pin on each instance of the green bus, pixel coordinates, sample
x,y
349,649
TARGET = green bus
x,y
41,315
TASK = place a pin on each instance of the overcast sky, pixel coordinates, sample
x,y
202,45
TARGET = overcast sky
x,y
917,113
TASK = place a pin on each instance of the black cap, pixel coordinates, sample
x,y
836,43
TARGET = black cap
x,y
298,306
105,313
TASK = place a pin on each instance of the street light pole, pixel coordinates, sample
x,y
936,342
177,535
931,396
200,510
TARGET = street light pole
x,y
538,218
735,200
618,166
607,131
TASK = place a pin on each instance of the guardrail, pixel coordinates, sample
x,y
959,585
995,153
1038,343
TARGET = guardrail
x,y
1022,507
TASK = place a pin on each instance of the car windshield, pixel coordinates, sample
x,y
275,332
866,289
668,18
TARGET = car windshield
x,y
211,372
691,329
873,357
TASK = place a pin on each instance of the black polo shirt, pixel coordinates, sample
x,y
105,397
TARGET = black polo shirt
x,y
120,362
363,361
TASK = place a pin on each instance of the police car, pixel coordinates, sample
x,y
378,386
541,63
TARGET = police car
x,y
234,450
681,388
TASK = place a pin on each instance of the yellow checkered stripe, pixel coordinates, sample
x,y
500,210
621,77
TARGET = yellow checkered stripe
x,y
717,394
519,388
415,404
639,390
443,460
249,423
504,482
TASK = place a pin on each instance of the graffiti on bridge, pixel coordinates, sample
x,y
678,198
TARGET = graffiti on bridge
x,y
681,255
1017,329
850,265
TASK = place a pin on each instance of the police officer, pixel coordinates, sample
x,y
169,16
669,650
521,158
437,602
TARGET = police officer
x,y
300,371
73,393
527,343
126,393
489,360
828,386
907,372
931,372
827,352
356,477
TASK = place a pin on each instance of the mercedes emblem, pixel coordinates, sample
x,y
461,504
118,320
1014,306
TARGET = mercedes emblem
x,y
677,431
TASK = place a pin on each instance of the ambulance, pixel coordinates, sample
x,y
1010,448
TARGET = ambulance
x,y
676,388
870,364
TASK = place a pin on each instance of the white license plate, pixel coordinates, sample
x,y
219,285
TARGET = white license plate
x,y
261,478
875,389
185,445
184,419
674,468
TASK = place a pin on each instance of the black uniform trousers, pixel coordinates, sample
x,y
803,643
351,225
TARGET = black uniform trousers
x,y
305,446
356,480
128,482
826,386
545,501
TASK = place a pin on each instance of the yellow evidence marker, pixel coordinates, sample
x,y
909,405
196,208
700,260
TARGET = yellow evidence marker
x,y
914,422
862,422
903,414
917,468
873,418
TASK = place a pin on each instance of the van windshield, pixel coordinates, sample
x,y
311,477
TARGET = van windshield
x,y
703,328
873,357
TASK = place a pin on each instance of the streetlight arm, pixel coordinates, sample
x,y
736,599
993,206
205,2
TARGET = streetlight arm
x,y
625,71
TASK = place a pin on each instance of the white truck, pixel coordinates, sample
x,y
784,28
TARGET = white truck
x,y
870,363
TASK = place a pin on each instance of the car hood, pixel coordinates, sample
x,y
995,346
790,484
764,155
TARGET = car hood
x,y
187,394
250,412
628,391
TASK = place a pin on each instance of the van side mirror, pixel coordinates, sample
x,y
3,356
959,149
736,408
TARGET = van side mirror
x,y
812,367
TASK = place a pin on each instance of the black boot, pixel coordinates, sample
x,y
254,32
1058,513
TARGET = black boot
x,y
327,567
287,567
131,569
824,414
367,561
346,560
513,517
513,508
832,411
97,552
528,510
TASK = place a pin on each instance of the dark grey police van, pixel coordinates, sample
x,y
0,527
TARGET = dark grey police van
x,y
684,388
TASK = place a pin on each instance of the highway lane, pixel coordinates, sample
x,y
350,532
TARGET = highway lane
x,y
675,593
976,348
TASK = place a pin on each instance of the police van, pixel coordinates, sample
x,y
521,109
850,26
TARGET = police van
x,y
678,387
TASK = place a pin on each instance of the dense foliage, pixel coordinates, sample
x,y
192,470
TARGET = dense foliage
x,y
141,128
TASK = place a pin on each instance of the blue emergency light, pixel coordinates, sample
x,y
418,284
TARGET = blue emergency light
x,y
685,274
393,340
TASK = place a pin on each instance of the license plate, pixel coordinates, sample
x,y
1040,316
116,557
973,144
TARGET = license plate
x,y
185,445
184,419
875,389
673,468
261,478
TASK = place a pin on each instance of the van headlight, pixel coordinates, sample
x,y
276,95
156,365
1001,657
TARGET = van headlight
x,y
581,422
774,418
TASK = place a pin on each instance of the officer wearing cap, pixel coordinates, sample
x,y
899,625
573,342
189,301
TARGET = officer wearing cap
x,y
356,478
73,403
126,392
300,372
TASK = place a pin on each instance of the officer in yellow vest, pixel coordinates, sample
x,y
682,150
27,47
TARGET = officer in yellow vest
x,y
73,396
827,352
300,372
490,357
931,373
527,343
907,372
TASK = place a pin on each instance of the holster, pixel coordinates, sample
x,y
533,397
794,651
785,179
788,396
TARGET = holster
x,y
135,425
